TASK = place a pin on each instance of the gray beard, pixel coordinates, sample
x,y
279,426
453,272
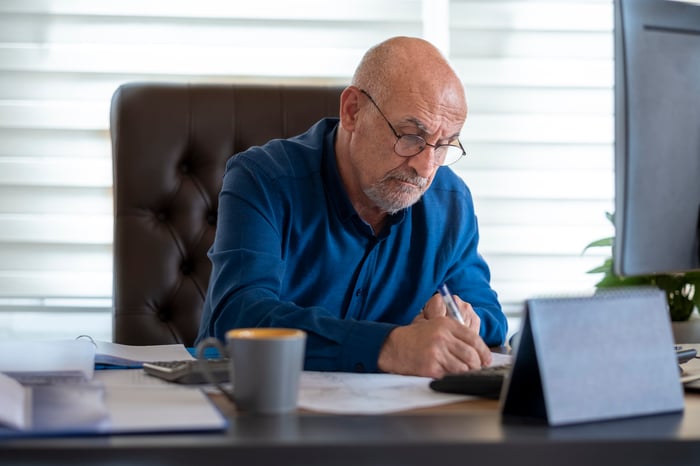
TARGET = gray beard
x,y
392,200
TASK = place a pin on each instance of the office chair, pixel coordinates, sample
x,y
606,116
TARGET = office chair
x,y
170,143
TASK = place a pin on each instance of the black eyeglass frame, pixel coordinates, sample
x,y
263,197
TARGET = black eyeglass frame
x,y
418,138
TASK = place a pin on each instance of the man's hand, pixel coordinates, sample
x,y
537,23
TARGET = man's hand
x,y
435,307
435,344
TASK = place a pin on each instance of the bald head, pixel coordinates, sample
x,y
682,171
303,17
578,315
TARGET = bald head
x,y
407,65
402,87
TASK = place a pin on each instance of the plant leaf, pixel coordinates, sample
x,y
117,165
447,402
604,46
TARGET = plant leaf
x,y
678,287
600,269
599,243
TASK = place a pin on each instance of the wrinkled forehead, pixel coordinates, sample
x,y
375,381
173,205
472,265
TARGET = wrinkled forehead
x,y
441,113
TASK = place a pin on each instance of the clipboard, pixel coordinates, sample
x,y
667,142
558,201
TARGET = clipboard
x,y
596,358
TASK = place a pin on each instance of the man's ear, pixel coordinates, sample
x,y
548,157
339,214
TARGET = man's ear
x,y
349,107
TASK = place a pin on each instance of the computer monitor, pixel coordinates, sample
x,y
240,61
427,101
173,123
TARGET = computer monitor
x,y
657,137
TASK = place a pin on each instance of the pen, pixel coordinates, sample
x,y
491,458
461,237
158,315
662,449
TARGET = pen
x,y
450,303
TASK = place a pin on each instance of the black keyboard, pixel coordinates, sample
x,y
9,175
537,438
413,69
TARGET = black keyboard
x,y
485,382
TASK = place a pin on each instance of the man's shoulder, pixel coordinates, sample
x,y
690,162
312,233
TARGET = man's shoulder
x,y
312,140
447,181
299,153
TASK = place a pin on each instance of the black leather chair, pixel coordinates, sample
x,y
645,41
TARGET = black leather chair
x,y
170,143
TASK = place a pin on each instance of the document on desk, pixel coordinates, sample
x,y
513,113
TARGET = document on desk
x,y
350,393
119,355
690,377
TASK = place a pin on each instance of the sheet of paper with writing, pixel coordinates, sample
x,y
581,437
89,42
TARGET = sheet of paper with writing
x,y
350,393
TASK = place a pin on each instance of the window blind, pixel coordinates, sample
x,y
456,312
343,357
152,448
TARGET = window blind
x,y
539,132
539,135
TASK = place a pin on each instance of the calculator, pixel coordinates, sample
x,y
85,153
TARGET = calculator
x,y
189,371
485,382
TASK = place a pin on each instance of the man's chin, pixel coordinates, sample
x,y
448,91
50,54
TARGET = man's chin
x,y
393,207
396,200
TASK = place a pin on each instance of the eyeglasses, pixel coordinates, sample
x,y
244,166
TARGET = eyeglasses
x,y
409,145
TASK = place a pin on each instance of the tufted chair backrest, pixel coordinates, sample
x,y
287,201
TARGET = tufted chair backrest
x,y
170,143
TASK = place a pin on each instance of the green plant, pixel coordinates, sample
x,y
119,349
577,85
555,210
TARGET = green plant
x,y
679,288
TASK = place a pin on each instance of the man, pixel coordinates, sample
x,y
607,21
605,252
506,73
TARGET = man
x,y
347,230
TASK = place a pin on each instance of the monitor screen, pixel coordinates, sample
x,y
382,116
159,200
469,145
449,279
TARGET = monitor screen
x,y
657,137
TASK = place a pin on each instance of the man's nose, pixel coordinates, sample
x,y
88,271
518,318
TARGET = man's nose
x,y
425,162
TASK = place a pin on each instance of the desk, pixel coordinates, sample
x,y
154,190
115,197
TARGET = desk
x,y
470,432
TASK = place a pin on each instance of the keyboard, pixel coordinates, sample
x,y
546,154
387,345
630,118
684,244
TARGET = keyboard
x,y
485,382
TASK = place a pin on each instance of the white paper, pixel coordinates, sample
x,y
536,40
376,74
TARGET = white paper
x,y
498,359
42,361
350,393
118,354
691,369
34,362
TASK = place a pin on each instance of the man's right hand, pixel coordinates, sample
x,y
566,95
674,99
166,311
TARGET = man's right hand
x,y
433,347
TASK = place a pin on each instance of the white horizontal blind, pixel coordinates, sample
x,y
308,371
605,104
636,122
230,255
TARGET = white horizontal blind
x,y
539,131
539,134
60,62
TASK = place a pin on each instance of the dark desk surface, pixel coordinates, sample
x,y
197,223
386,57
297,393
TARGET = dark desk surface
x,y
470,432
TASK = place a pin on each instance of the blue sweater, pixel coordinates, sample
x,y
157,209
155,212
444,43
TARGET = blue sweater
x,y
290,251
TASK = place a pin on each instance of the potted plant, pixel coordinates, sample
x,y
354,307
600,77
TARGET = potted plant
x,y
679,288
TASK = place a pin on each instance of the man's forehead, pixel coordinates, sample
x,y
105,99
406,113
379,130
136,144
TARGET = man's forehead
x,y
424,129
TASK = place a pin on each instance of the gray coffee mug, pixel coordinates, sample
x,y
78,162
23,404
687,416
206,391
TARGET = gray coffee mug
x,y
265,367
